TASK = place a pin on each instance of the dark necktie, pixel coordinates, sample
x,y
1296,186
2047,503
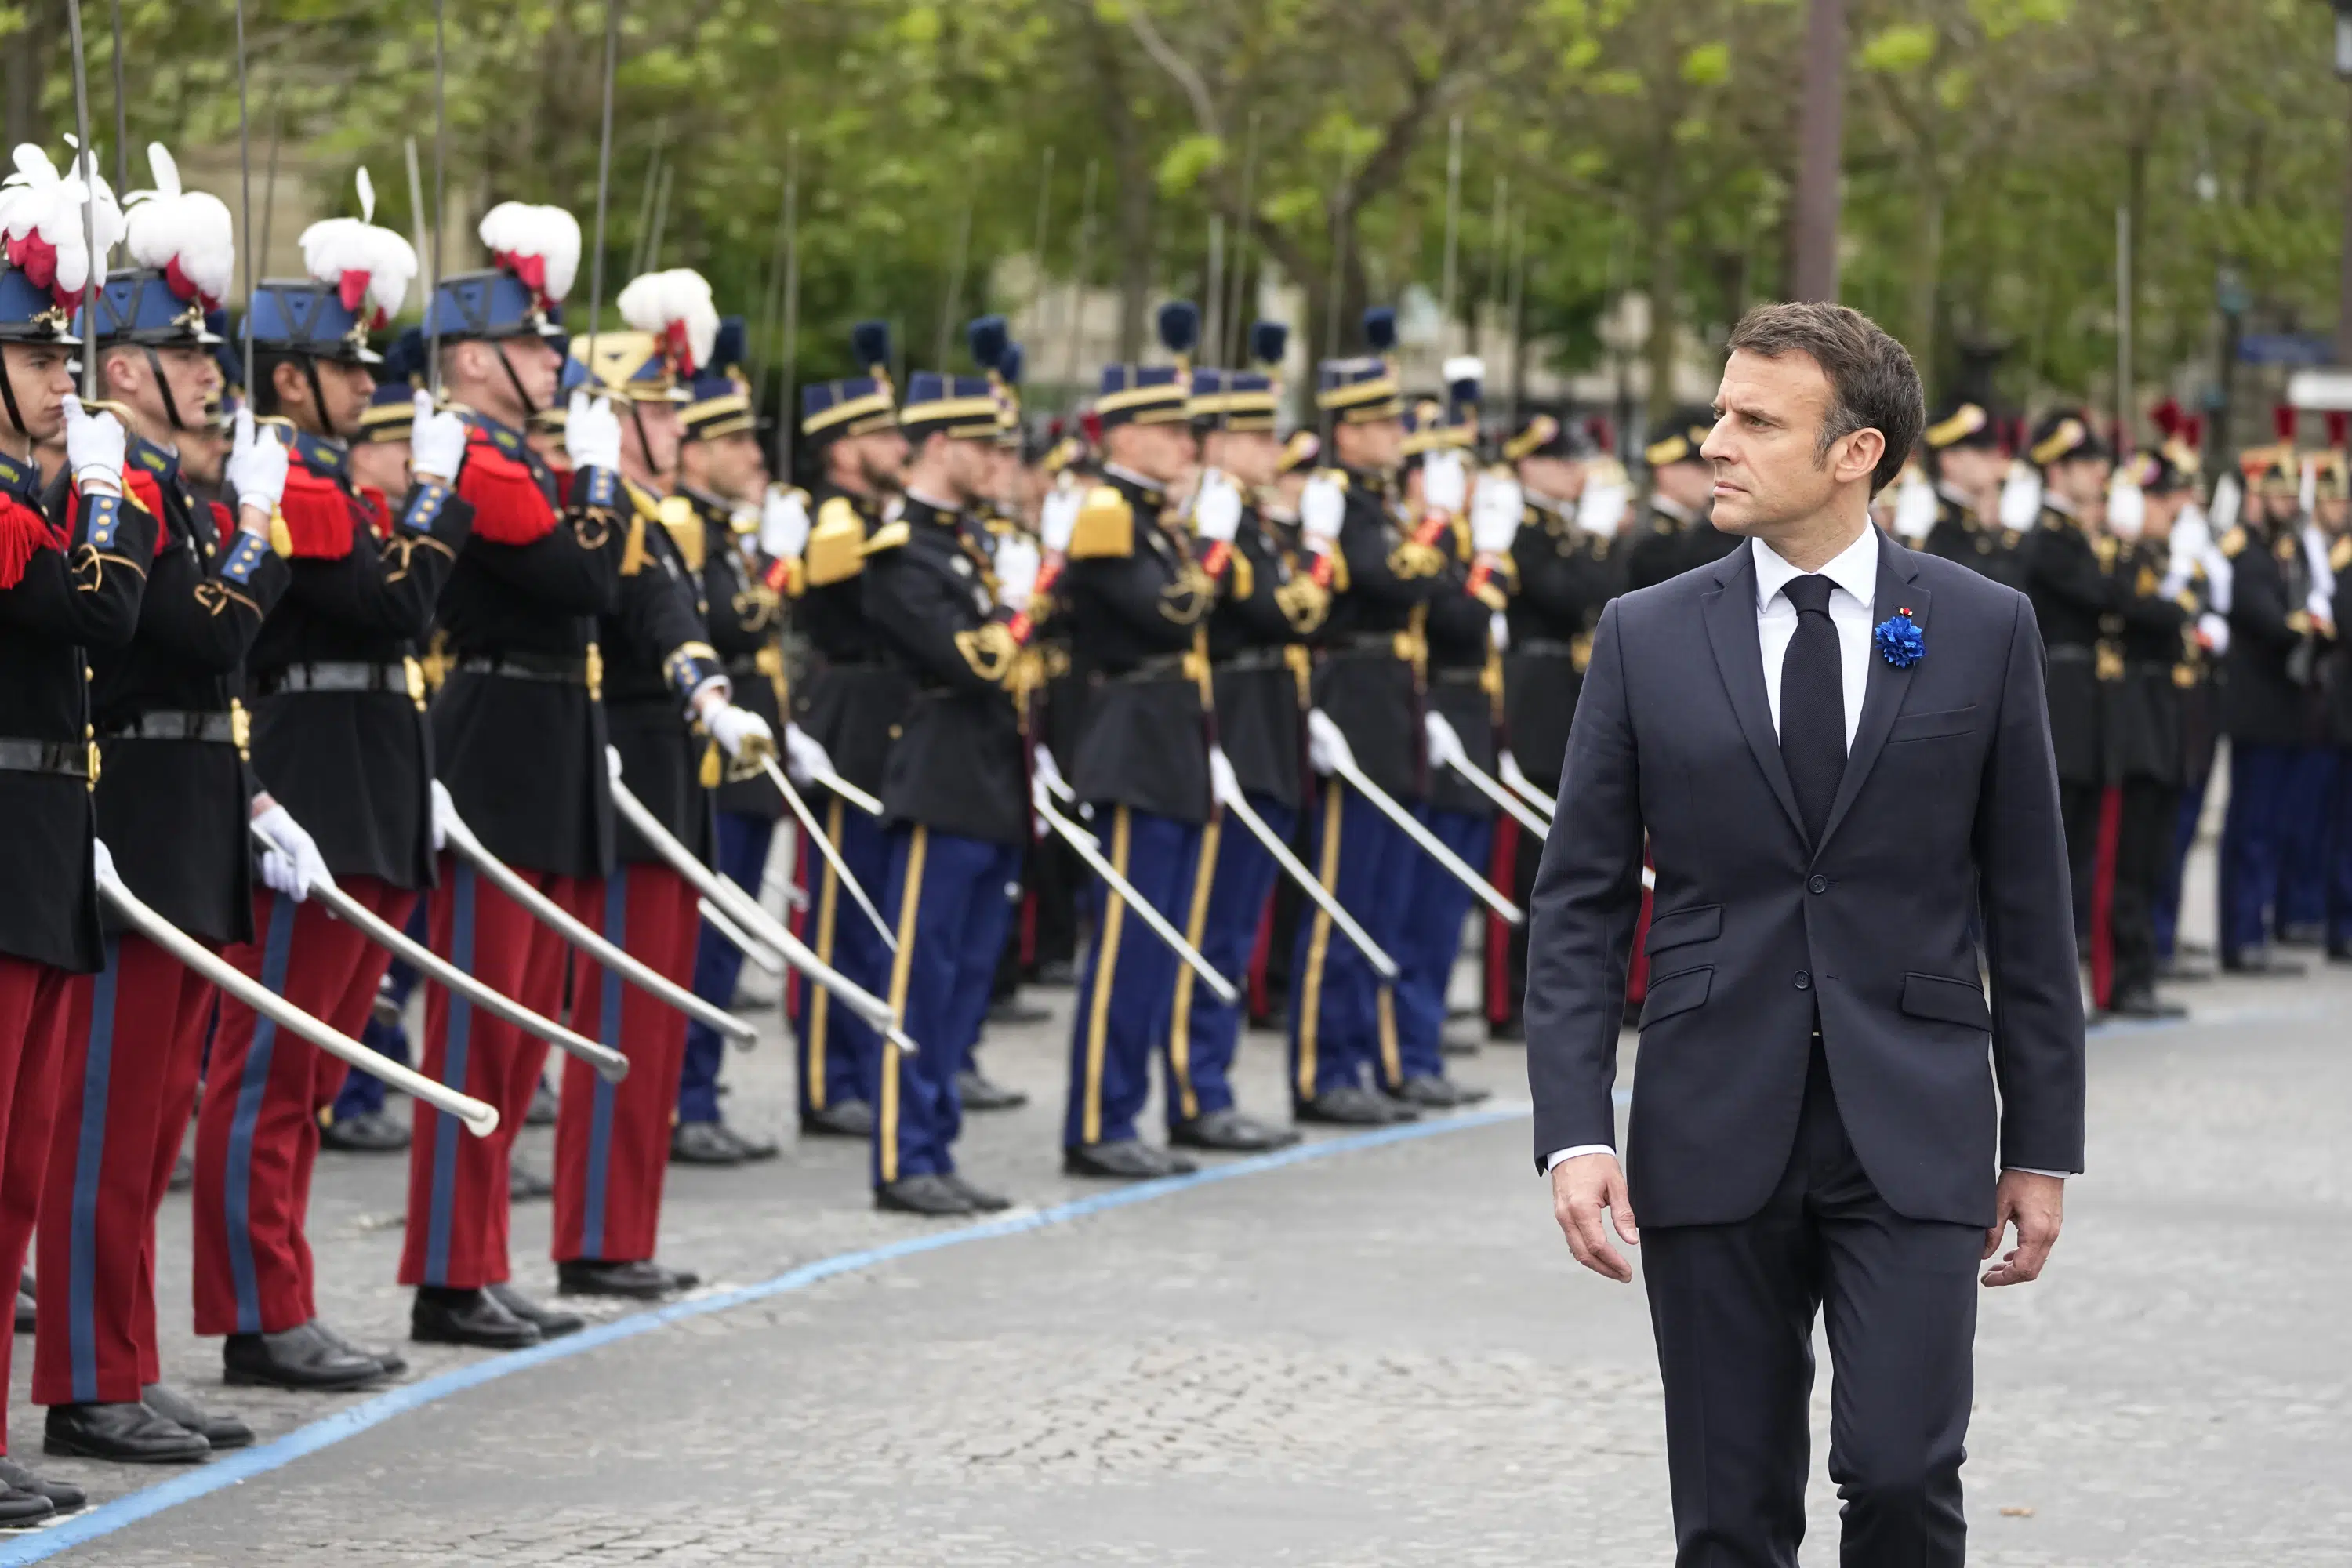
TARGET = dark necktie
x,y
1813,704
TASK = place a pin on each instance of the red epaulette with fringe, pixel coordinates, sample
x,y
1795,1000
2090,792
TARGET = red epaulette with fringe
x,y
508,506
139,485
318,516
24,533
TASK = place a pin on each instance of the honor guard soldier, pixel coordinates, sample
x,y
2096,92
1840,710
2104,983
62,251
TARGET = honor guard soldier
x,y
2300,917
2195,549
2061,572
661,676
174,799
751,532
1139,606
1964,450
2277,622
1569,564
2145,662
954,790
1259,654
2332,488
1675,535
518,739
1474,534
849,702
73,566
1368,688
340,740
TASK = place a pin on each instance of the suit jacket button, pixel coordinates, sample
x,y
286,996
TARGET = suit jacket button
x,y
1804,981
1819,884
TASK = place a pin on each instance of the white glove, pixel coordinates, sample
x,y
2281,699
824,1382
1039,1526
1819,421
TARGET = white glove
x,y
1444,746
95,447
1326,749
783,523
1495,513
1499,631
613,763
1914,506
102,860
1601,510
1506,768
1322,508
591,434
2126,510
1017,564
1217,509
2020,497
736,729
2213,632
437,442
806,758
1444,484
445,812
1225,784
1058,520
293,866
1047,774
2176,577
257,465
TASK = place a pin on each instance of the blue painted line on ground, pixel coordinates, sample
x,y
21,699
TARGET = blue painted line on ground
x,y
238,1468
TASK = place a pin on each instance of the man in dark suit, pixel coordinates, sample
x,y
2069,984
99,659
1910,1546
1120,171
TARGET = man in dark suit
x,y
1839,751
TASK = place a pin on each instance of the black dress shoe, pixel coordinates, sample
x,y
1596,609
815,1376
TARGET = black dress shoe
x,y
850,1118
980,1092
933,1195
525,1185
369,1132
299,1357
553,1322
1124,1159
1012,1011
1349,1106
680,1279
1456,1046
2260,961
981,1200
1436,1093
1232,1132
2302,934
2144,1005
220,1431
2179,969
703,1144
446,1316
126,1434
63,1496
639,1280
19,1507
1509,1032
25,1313
384,1356
755,1146
542,1107
2339,952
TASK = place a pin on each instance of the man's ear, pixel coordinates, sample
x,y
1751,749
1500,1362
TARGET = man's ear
x,y
1862,450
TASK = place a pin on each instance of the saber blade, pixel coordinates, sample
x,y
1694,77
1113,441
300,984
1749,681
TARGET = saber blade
x,y
1386,805
1079,839
755,952
848,791
1312,886
1484,783
826,846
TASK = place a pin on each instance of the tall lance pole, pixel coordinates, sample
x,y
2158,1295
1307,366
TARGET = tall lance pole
x,y
1037,248
786,422
1452,225
1230,331
86,167
604,179
121,110
440,174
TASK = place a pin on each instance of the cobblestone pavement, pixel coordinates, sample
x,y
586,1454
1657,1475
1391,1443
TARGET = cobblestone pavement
x,y
1381,1357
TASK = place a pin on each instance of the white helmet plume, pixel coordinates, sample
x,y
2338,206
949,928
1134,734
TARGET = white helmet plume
x,y
675,306
539,244
41,224
369,266
186,235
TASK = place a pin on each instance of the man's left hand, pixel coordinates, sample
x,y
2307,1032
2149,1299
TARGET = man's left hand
x,y
2035,1204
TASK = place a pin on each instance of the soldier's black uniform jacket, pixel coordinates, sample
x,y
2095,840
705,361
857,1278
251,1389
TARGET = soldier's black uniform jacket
x,y
174,794
1370,681
1670,543
851,698
64,592
1567,576
2070,592
339,734
2267,677
1261,665
1978,543
957,765
1138,604
2338,671
1464,674
746,620
518,730
656,656
2145,662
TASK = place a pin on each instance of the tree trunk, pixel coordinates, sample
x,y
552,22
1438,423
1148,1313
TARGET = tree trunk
x,y
28,60
1926,276
1663,284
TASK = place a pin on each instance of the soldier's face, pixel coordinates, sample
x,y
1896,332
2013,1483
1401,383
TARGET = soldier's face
x,y
383,464
1251,457
191,375
2083,482
40,380
345,388
2156,524
731,467
882,457
1554,478
652,438
2331,512
536,364
1770,467
1376,445
2279,505
1972,469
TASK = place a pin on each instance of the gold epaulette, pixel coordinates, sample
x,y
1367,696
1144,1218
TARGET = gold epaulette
x,y
2339,555
835,551
686,531
632,554
889,536
1106,527
2105,550
2232,542
1241,576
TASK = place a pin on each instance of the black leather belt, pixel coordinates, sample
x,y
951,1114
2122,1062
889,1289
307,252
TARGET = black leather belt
x,y
554,670
1159,666
168,724
1255,659
1366,642
1544,647
343,675
70,758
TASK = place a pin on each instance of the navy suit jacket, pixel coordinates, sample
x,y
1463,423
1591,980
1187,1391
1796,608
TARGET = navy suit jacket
x,y
1948,802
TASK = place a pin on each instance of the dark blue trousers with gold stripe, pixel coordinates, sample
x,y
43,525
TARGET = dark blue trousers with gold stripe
x,y
947,907
1129,980
837,1047
1234,879
1428,938
1341,1017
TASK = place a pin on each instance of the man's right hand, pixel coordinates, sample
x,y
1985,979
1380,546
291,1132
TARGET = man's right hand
x,y
1581,1188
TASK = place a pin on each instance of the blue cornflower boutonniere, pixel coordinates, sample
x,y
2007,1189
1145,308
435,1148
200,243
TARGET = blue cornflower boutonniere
x,y
1897,639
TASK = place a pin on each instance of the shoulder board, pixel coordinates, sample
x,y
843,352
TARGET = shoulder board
x,y
837,543
889,536
2232,542
685,528
1106,526
2106,550
2339,555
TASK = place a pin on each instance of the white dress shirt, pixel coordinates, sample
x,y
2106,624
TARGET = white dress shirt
x,y
1853,582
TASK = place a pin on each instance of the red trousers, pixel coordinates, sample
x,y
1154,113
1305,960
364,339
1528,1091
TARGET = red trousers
x,y
34,1004
612,1141
258,1134
456,1182
126,1083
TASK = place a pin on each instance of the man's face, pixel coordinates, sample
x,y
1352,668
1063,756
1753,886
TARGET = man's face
x,y
1972,469
1162,453
1765,448
649,440
2279,505
1004,473
38,376
191,376
2161,511
882,459
732,468
346,389
1554,478
1376,445
1250,457
384,465
2083,482
2331,512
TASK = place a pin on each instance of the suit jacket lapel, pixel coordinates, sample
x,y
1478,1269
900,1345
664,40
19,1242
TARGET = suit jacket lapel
x,y
1730,613
1883,694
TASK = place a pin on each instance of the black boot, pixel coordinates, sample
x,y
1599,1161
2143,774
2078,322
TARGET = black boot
x,y
64,1496
20,1507
981,1200
1436,1093
2142,1003
220,1431
637,1281
442,1315
299,1357
127,1434
553,1322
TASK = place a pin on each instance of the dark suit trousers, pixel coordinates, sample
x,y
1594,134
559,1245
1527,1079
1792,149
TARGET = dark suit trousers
x,y
1733,1306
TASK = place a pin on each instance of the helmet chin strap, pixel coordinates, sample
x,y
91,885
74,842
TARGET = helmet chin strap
x,y
499,347
8,395
163,388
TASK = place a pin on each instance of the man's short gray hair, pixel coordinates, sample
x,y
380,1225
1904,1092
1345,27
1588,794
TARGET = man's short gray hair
x,y
1873,383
